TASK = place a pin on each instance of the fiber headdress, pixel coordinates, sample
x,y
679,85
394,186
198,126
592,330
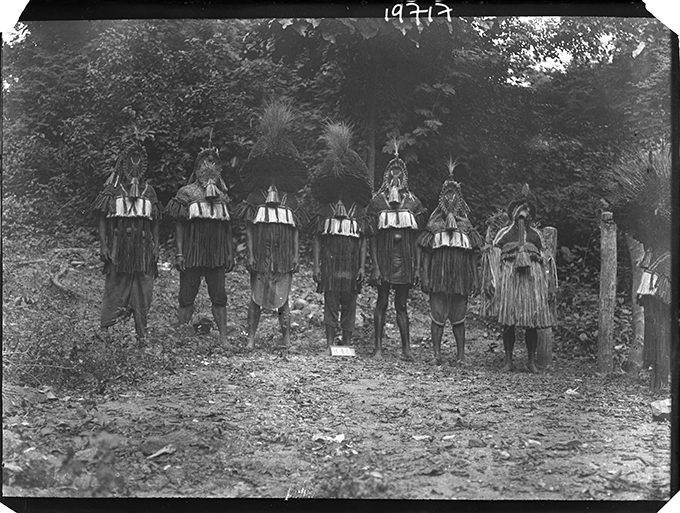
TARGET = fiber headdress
x,y
131,168
342,170
395,167
524,197
640,197
273,159
458,206
208,171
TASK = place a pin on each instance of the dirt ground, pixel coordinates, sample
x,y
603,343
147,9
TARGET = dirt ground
x,y
204,422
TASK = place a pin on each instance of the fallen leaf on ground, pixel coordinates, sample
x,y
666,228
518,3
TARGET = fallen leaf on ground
x,y
168,449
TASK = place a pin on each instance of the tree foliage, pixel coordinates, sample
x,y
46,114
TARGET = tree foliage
x,y
552,102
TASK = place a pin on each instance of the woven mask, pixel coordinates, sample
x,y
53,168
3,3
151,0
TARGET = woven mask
x,y
395,179
451,201
523,206
208,171
131,167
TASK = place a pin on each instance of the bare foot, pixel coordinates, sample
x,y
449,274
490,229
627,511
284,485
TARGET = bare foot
x,y
507,367
407,356
435,361
251,345
377,355
532,368
461,361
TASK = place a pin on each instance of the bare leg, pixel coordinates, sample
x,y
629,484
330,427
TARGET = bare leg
x,y
253,322
379,315
531,337
330,336
346,338
459,334
400,297
437,333
284,322
508,344
184,314
220,316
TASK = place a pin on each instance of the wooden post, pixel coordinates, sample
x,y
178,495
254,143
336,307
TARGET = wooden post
x,y
607,292
636,251
546,339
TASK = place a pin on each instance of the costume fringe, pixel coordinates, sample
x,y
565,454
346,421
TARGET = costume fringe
x,y
657,334
454,270
340,263
300,216
205,243
245,211
386,249
425,240
273,247
491,267
177,209
131,244
102,202
523,296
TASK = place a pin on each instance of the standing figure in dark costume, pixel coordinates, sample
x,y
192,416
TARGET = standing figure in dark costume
x,y
523,279
397,216
640,192
203,239
273,173
450,245
343,189
129,216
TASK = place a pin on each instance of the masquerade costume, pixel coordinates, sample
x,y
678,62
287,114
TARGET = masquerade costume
x,y
641,204
342,188
128,230
273,173
523,278
450,245
396,215
203,238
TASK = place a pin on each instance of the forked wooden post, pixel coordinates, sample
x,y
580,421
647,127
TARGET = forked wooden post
x,y
544,351
605,327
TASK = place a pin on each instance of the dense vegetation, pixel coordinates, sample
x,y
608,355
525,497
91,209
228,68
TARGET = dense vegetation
x,y
481,89
555,103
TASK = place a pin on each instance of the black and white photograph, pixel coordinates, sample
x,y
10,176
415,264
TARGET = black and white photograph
x,y
414,250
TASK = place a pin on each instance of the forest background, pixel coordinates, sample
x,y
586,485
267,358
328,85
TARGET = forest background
x,y
556,102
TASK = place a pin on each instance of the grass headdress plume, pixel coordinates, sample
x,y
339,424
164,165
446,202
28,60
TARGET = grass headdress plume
x,y
273,158
342,170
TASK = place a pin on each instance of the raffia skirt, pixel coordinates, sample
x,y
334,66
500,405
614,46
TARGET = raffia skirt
x,y
523,296
270,290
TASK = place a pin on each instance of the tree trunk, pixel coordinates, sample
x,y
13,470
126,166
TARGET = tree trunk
x,y
372,116
546,339
607,292
634,364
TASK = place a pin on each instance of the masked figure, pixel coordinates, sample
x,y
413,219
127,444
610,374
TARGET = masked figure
x,y
641,203
129,216
449,274
203,239
273,173
397,216
523,286
342,188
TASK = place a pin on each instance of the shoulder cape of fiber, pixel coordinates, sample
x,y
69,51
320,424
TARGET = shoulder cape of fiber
x,y
105,202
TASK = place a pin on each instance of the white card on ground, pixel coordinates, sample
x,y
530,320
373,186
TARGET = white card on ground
x,y
342,351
